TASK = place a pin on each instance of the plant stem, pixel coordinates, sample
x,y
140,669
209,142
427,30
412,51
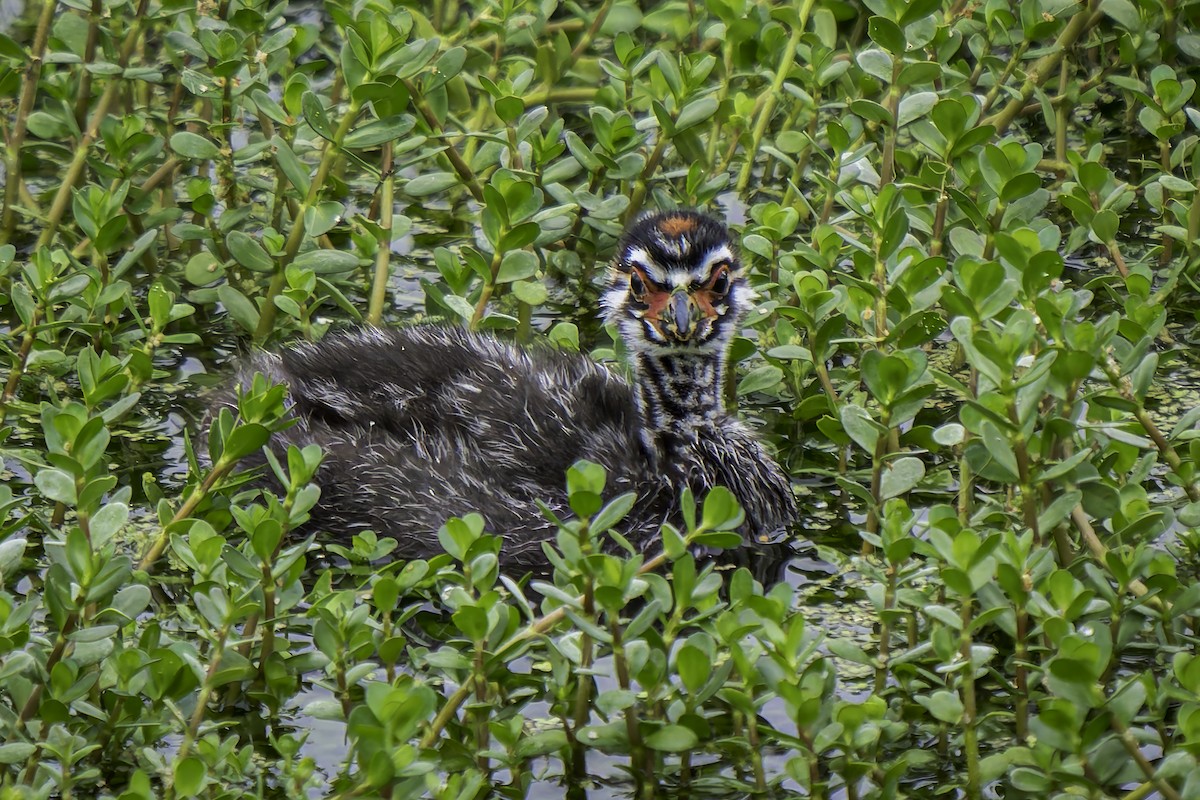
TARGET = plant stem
x,y
640,188
969,721
1099,551
887,170
16,140
63,197
772,95
994,92
881,451
465,173
585,40
1045,66
1124,386
84,93
885,629
485,294
329,150
1131,746
641,763
384,253
206,691
18,369
1024,472
1020,679
221,469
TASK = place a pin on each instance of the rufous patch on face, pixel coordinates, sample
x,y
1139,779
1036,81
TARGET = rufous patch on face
x,y
677,226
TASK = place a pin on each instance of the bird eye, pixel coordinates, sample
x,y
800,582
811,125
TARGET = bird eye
x,y
719,284
637,286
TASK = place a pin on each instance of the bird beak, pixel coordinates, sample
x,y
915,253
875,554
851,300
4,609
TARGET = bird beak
x,y
682,315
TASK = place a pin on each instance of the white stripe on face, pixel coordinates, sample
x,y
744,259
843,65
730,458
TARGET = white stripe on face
x,y
640,258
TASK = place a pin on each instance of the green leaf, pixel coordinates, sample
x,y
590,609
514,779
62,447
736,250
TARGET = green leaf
x,y
315,116
292,167
246,250
900,476
949,434
1104,225
721,511
872,111
326,262
244,440
431,183
517,265
877,63
696,112
694,667
56,485
509,108
847,649
16,752
915,106
760,378
945,706
887,35
672,739
190,775
203,269
239,307
998,447
858,423
616,510
1123,12
531,293
13,52
378,132
322,217
193,146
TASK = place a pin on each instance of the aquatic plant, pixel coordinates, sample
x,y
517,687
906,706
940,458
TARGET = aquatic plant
x,y
973,229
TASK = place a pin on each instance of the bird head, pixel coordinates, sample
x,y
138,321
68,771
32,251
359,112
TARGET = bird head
x,y
676,285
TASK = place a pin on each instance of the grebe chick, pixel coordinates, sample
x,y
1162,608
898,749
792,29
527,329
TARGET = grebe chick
x,y
424,423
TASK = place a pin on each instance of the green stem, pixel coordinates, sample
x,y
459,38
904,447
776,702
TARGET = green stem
x,y
1131,746
1021,679
887,172
885,629
585,40
384,253
1124,386
969,722
640,758
486,293
29,87
772,96
1024,471
62,197
549,97
329,151
1040,72
456,160
18,369
881,451
221,469
1002,81
206,691
84,92
643,182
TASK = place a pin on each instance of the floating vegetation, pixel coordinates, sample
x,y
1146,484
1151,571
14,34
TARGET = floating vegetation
x,y
974,235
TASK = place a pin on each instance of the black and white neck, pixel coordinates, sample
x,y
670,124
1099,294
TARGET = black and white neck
x,y
679,391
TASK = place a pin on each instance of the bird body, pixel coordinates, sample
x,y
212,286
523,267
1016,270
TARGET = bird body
x,y
423,423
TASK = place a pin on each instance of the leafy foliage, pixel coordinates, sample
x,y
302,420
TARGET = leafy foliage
x,y
968,224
